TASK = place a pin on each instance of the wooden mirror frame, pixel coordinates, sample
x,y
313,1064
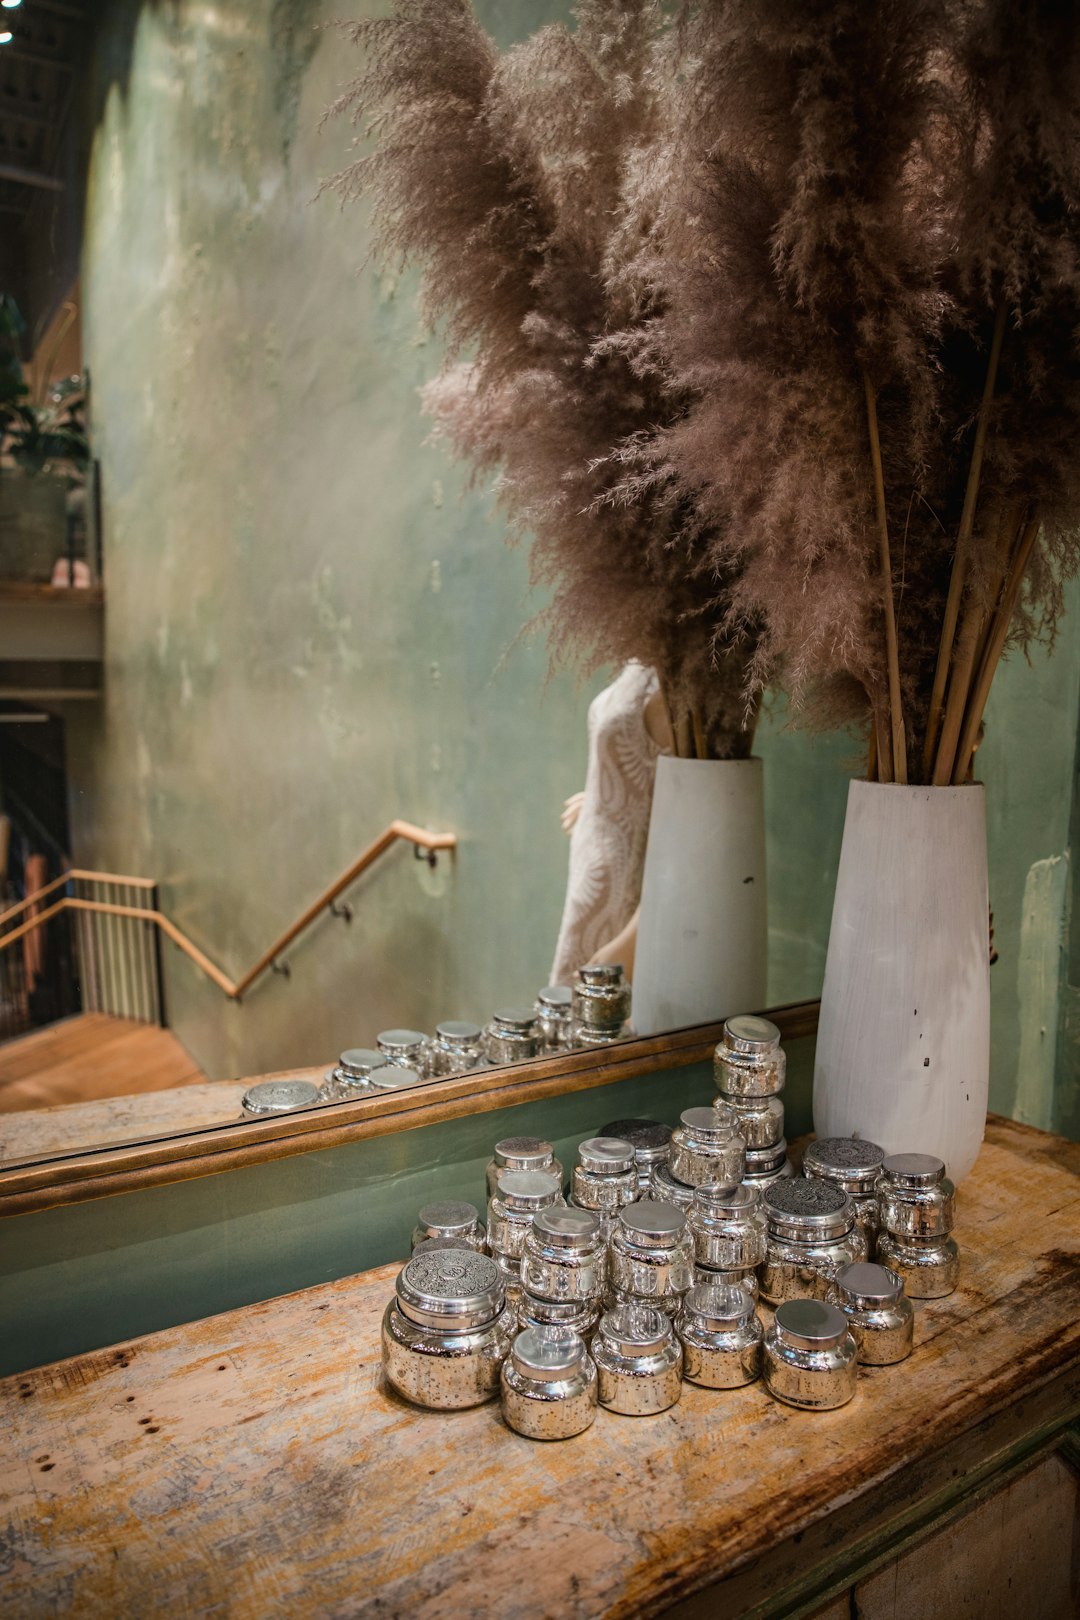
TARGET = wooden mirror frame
x,y
101,1172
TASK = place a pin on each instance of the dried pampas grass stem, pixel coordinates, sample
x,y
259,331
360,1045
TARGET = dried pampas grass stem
x,y
892,768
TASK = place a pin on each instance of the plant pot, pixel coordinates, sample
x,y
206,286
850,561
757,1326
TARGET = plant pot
x,y
702,948
903,1047
33,524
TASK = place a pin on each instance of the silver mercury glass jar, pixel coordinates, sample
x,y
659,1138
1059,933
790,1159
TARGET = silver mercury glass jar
x,y
407,1047
604,1178
513,1036
601,1004
667,1189
446,1218
351,1075
549,1385
569,1315
280,1097
749,1061
766,1166
810,1358
812,1233
745,1278
638,1361
916,1201
721,1336
396,1077
522,1153
705,1146
563,1257
854,1166
758,1120
728,1227
651,1256
519,1196
555,1016
456,1047
880,1318
650,1140
448,1331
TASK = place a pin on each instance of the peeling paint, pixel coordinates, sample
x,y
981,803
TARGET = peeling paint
x,y
1042,943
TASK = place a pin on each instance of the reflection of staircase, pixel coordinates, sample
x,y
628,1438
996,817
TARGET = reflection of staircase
x,y
92,1055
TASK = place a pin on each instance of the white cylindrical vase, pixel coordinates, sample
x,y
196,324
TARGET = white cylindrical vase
x,y
903,1046
702,946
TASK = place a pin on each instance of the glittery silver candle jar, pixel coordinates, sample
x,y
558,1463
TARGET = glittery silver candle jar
x,y
651,1255
766,1166
650,1140
574,1315
351,1075
758,1120
638,1361
810,1359
705,1146
749,1061
395,1077
448,1331
745,1278
445,1218
456,1047
855,1167
563,1257
604,1178
513,1035
916,1201
721,1336
555,1016
549,1385
407,1047
880,1318
667,1189
728,1227
928,1267
601,1004
522,1153
812,1233
519,1196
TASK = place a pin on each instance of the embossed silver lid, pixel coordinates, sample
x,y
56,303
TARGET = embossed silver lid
x,y
810,1324
394,1077
636,1330
564,1228
814,1210
358,1062
852,1163
669,1189
751,1035
718,1305
448,1217
605,973
866,1285
649,1138
526,1190
651,1224
548,1355
709,1124
514,1020
913,1169
279,1096
458,1032
557,997
523,1153
451,1289
606,1156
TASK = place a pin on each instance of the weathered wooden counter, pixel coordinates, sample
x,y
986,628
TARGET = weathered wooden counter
x,y
253,1464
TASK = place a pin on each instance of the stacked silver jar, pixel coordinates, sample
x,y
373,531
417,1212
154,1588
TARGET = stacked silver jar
x,y
916,1206
605,1179
601,1004
750,1069
705,1147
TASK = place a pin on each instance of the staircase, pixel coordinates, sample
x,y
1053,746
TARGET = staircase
x,y
91,1056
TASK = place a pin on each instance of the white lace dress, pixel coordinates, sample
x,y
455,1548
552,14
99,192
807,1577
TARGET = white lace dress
x,y
607,845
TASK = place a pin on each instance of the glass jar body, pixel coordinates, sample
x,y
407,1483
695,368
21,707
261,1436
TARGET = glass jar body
x,y
797,1268
445,1371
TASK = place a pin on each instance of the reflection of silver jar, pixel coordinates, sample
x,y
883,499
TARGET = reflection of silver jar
x,y
854,1166
519,1196
601,1003
705,1146
563,1256
749,1061
721,1337
513,1036
395,1077
810,1355
555,1015
456,1047
572,1315
766,1166
448,1331
548,1385
407,1047
448,1218
638,1361
728,1227
651,1257
280,1097
351,1075
650,1140
667,1189
604,1178
880,1318
758,1120
812,1233
522,1153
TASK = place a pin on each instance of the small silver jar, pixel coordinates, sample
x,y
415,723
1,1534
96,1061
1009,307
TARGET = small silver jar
x,y
917,1199
513,1036
929,1267
758,1120
456,1047
651,1255
408,1047
766,1166
520,1195
745,1278
810,1358
549,1385
522,1153
854,1166
395,1077
601,1004
351,1075
563,1257
749,1061
638,1361
728,1227
555,1016
457,1221
812,1233
650,1140
448,1330
705,1146
721,1336
279,1097
880,1318
572,1315
604,1178
667,1189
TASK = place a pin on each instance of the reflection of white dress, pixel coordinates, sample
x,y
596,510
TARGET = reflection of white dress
x,y
607,846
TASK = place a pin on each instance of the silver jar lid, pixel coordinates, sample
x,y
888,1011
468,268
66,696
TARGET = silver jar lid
x,y
913,1170
448,1218
718,1305
867,1286
358,1062
556,997
394,1077
764,1161
526,1190
578,1314
649,1138
450,1289
547,1355
852,1163
523,1153
565,1228
606,1156
710,1124
458,1032
652,1225
669,1189
636,1330
810,1324
751,1035
816,1210
723,1201
279,1096
400,1041
515,1020
602,973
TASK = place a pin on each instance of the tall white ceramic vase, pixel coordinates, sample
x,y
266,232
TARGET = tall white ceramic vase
x,y
903,1047
702,949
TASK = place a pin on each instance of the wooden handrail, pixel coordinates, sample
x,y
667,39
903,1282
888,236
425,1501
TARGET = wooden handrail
x,y
74,873
419,836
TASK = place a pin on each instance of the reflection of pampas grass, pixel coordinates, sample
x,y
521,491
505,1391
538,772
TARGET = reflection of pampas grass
x,y
527,184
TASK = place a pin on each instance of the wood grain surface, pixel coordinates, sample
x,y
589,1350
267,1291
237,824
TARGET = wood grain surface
x,y
254,1464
